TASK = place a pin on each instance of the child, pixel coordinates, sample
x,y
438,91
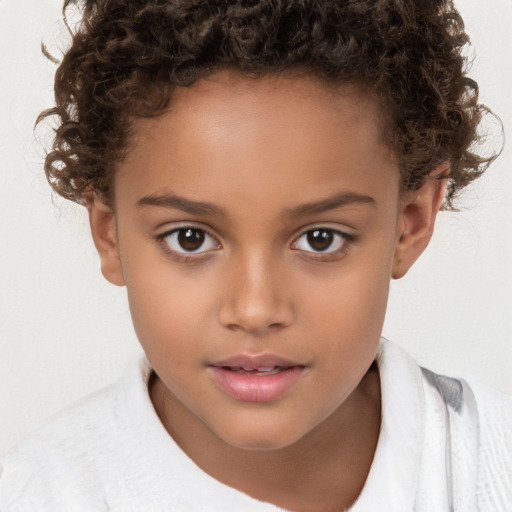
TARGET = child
x,y
255,173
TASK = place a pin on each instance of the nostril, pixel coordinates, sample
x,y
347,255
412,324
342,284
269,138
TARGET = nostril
x,y
276,325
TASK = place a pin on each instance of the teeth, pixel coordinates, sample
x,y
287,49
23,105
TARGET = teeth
x,y
265,369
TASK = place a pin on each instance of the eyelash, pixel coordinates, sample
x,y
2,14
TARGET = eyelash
x,y
345,240
322,255
185,256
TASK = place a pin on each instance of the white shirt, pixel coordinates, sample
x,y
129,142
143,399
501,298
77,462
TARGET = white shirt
x,y
443,446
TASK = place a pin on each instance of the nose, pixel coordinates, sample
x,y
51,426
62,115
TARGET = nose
x,y
256,299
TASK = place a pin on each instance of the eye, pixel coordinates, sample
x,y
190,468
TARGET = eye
x,y
189,240
322,240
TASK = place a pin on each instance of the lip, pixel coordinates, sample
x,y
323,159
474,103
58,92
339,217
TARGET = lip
x,y
256,378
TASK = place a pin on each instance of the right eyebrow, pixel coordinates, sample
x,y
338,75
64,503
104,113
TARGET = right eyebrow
x,y
181,203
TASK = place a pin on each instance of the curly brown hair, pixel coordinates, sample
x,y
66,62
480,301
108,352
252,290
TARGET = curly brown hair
x,y
127,56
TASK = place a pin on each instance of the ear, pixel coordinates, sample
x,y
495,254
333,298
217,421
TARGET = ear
x,y
416,220
104,233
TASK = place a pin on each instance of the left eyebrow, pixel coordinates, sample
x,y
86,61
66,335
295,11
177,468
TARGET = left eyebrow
x,y
329,203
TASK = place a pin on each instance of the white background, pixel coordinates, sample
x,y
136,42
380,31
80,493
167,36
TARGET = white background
x,y
64,331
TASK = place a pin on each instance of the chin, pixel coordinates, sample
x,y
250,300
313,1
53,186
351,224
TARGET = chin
x,y
261,444
262,438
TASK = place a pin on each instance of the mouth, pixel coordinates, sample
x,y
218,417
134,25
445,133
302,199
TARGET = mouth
x,y
261,372
256,378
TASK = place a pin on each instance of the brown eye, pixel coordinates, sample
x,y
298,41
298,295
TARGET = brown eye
x,y
191,239
320,239
323,241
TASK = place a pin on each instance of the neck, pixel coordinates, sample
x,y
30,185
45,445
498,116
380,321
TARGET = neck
x,y
325,470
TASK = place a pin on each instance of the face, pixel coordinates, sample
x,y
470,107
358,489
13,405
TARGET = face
x,y
256,229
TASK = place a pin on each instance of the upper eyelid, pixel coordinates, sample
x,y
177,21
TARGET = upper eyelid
x,y
343,231
346,236
185,225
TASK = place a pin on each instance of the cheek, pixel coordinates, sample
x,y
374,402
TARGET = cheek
x,y
351,302
168,311
346,314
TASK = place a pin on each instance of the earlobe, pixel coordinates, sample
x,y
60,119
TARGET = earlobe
x,y
416,222
104,233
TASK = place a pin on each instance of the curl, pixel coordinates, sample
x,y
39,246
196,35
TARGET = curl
x,y
127,56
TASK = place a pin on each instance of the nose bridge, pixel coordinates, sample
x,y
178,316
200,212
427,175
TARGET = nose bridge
x,y
255,298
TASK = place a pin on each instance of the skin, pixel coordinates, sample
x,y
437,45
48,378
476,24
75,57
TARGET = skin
x,y
259,150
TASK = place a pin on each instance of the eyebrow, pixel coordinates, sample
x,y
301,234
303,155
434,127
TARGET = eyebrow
x,y
329,203
181,203
203,208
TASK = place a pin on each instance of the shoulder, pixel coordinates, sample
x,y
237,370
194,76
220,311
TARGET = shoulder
x,y
493,407
478,439
495,447
467,432
66,454
481,435
479,406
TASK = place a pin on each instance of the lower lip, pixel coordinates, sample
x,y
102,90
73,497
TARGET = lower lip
x,y
256,388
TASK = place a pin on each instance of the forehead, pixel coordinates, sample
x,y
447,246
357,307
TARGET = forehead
x,y
232,134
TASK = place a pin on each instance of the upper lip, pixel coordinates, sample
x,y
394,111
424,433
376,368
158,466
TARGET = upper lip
x,y
253,362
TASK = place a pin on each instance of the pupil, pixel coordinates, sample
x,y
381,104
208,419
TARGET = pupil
x,y
320,239
190,239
